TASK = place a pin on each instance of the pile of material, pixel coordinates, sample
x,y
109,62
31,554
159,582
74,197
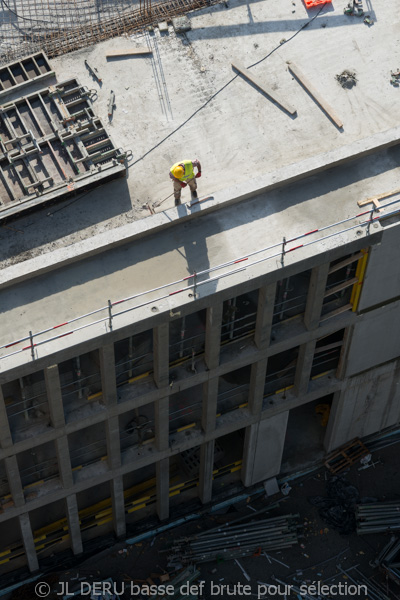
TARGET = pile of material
x,y
378,517
233,541
182,583
338,506
347,79
389,560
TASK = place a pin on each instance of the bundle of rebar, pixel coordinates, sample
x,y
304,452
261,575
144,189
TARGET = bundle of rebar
x,y
378,517
230,542
389,559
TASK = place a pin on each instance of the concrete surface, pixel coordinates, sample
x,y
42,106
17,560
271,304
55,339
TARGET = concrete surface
x,y
240,134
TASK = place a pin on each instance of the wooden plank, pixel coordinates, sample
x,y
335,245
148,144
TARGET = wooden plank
x,y
376,198
128,52
346,262
315,94
341,286
264,88
338,311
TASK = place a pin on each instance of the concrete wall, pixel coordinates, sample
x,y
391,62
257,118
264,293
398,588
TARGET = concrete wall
x,y
367,404
375,339
382,278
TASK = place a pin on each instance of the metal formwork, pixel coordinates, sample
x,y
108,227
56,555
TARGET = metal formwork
x,y
51,144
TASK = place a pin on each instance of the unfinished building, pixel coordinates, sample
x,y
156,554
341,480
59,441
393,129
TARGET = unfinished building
x,y
153,367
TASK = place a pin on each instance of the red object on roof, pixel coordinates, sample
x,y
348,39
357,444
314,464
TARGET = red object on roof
x,y
311,3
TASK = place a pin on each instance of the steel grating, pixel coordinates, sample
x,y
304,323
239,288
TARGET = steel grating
x,y
52,144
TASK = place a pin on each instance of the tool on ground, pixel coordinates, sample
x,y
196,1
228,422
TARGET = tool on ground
x,y
111,104
93,71
354,8
395,78
157,204
311,3
128,52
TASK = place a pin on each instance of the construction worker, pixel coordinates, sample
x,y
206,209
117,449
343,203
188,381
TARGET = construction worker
x,y
182,174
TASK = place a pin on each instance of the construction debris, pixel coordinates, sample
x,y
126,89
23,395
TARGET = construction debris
x,y
395,78
232,542
378,517
347,79
388,560
181,24
354,8
337,508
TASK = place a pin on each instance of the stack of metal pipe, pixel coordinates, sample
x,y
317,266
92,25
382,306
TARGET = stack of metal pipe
x,y
229,542
389,559
378,517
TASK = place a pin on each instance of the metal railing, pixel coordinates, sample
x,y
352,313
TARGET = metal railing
x,y
193,282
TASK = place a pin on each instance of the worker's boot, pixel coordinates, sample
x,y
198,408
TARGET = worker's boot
x,y
177,201
194,194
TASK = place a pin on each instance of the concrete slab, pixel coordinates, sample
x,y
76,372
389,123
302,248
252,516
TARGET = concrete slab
x,y
235,131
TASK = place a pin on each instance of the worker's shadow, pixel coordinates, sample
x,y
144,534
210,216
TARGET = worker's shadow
x,y
195,251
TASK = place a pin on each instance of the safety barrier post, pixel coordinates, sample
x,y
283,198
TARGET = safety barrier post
x,y
109,315
32,348
283,251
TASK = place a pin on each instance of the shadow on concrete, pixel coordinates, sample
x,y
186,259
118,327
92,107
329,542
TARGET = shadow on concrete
x,y
269,98
194,238
65,218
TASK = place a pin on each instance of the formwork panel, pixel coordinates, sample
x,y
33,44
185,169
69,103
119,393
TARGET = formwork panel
x,y
51,145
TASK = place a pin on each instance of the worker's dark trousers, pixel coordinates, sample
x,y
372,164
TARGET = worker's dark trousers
x,y
177,188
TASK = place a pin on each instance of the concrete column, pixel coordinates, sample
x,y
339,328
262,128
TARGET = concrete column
x,y
108,377
209,405
206,471
161,418
303,368
64,462
5,433
54,396
113,442
118,506
213,335
161,354
263,448
162,486
71,506
265,313
27,540
257,384
334,430
315,296
14,480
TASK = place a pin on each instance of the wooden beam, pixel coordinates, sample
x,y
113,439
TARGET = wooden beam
x,y
305,82
345,262
264,88
341,286
375,199
128,52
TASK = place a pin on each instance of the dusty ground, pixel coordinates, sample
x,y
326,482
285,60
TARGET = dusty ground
x,y
319,544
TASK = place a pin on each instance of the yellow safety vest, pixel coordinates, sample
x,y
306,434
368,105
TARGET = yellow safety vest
x,y
188,174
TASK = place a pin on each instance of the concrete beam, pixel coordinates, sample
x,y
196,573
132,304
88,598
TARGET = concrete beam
x,y
213,335
162,486
71,506
209,404
315,296
54,396
161,355
206,471
113,442
161,419
14,480
108,376
64,462
334,423
265,313
29,544
118,506
303,368
257,384
5,432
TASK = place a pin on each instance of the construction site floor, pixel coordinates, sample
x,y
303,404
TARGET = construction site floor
x,y
124,563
